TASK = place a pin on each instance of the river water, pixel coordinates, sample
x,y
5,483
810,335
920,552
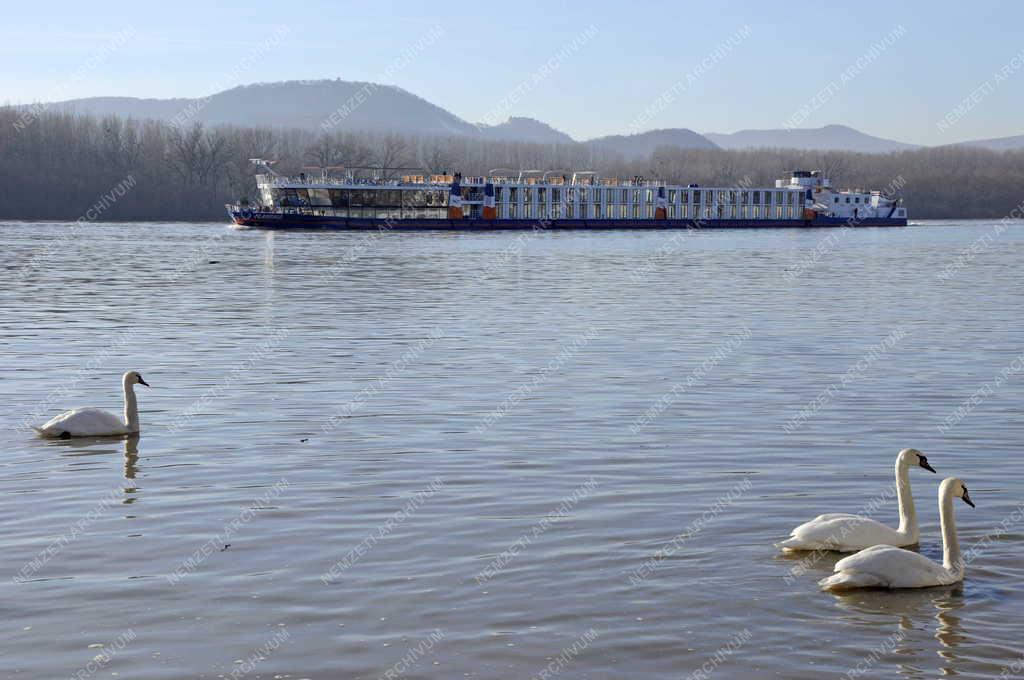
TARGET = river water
x,y
503,455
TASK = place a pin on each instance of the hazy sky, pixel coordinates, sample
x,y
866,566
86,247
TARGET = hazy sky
x,y
892,69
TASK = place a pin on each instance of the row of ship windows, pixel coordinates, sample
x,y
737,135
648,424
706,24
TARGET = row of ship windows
x,y
359,198
856,199
622,212
568,211
684,196
435,198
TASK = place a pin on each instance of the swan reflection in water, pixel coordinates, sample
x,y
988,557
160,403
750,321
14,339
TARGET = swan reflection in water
x,y
98,446
909,609
131,457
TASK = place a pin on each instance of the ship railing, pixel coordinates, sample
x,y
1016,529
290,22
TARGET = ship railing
x,y
445,180
283,181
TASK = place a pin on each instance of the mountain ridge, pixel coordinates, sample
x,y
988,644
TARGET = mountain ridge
x,y
341,105
826,138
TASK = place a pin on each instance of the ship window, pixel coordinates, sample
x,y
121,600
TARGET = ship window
x,y
696,195
413,199
556,195
671,195
319,197
847,199
757,197
339,198
837,199
298,196
857,200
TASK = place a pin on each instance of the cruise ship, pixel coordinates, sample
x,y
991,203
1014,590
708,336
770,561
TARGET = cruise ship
x,y
505,199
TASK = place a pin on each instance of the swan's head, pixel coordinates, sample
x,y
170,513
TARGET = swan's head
x,y
957,488
133,378
915,457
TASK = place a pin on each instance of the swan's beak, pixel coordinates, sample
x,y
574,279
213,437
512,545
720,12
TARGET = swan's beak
x,y
967,499
925,465
143,382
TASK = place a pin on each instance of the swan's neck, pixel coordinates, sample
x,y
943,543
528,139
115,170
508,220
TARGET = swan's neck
x,y
951,556
908,514
131,409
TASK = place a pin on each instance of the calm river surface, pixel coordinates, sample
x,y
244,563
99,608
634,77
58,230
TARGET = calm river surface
x,y
502,455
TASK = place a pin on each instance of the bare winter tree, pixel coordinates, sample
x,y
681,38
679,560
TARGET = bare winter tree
x,y
323,152
391,152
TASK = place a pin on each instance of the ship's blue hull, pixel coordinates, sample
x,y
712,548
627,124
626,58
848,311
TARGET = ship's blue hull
x,y
275,220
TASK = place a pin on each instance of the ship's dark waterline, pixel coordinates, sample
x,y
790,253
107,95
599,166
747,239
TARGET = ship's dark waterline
x,y
492,455
279,220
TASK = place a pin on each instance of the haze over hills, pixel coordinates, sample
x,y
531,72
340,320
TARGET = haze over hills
x,y
348,106
343,105
1014,143
829,137
643,144
519,129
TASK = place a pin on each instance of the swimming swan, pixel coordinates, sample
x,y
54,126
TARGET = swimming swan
x,y
846,533
884,566
95,422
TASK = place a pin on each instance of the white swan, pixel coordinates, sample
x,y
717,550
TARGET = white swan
x,y
846,533
95,422
884,566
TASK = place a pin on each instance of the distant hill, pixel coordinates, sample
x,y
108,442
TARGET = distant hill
x,y
828,138
643,144
342,105
1015,143
303,104
525,130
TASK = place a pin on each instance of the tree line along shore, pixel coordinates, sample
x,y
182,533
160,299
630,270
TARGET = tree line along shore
x,y
61,166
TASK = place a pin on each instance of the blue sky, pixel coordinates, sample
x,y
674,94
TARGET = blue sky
x,y
588,68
